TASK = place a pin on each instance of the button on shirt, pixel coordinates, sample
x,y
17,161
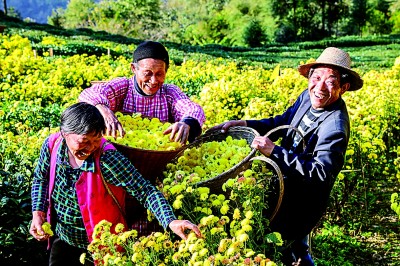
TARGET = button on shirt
x,y
116,170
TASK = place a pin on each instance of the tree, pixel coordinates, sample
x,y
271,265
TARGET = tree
x,y
254,35
379,17
134,18
358,15
395,16
78,14
285,13
5,6
196,21
249,17
57,17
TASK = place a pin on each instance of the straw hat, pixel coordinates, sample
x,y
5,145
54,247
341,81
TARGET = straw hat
x,y
338,58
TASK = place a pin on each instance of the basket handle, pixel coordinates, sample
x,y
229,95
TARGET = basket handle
x,y
289,127
280,176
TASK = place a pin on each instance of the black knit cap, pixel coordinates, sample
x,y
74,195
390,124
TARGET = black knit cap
x,y
150,49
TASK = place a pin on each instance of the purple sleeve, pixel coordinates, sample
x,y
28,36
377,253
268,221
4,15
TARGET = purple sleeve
x,y
111,93
182,107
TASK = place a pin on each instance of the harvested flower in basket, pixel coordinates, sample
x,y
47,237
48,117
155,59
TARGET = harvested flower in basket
x,y
206,161
144,133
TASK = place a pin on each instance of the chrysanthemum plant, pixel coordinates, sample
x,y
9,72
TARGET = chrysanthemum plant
x,y
233,226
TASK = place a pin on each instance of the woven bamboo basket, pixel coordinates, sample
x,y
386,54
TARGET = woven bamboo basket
x,y
149,163
276,189
215,183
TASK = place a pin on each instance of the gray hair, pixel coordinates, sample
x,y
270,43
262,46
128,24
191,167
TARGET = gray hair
x,y
82,119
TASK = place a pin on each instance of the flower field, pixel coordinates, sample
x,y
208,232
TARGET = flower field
x,y
365,206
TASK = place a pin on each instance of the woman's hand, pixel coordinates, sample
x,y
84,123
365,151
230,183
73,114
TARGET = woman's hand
x,y
180,226
112,123
36,230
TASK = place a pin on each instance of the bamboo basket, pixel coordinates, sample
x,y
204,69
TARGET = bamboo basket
x,y
215,183
149,163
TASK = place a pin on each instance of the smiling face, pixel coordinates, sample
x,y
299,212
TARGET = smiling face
x,y
324,87
150,74
82,146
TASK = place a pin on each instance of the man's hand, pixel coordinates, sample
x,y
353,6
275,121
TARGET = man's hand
x,y
263,144
112,123
179,132
180,226
36,230
225,126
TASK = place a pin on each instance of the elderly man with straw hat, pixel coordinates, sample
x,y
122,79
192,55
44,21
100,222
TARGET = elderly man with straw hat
x,y
311,162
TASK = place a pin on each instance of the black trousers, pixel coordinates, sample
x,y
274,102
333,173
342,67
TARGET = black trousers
x,y
62,253
298,249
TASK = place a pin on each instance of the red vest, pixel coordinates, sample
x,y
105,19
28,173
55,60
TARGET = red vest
x,y
95,202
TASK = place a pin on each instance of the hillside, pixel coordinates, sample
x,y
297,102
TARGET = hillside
x,y
360,228
373,52
36,10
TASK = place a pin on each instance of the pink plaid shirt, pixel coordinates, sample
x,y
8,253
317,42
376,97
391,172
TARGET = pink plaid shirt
x,y
169,104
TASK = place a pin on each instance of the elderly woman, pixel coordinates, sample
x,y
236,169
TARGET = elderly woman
x,y
81,179
147,94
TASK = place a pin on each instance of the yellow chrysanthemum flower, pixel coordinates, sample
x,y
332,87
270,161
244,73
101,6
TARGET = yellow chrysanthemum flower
x,y
249,254
224,209
249,214
215,230
203,252
167,244
47,229
136,257
177,204
203,190
245,221
119,228
236,214
243,237
82,258
203,196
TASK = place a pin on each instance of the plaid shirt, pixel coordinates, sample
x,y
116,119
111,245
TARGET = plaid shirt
x,y
116,170
169,104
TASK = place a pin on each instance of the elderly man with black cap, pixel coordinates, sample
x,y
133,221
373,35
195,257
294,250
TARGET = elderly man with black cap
x,y
147,94
309,170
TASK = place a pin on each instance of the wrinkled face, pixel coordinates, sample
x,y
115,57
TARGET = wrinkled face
x,y
81,146
150,74
324,87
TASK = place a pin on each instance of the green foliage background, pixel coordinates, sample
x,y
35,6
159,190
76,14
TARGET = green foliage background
x,y
360,227
223,22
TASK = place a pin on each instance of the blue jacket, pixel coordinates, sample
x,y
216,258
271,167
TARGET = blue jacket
x,y
310,173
